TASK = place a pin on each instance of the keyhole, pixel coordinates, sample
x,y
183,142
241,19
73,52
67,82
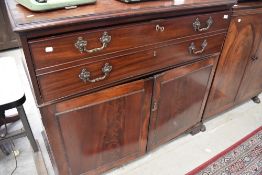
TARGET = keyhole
x,y
155,54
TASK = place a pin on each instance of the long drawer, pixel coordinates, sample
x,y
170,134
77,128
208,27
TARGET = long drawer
x,y
80,78
66,48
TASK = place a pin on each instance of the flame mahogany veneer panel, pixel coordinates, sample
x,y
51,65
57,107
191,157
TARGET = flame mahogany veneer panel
x,y
236,62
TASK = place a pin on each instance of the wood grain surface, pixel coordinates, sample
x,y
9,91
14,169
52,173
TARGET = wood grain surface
x,y
104,129
67,82
179,95
241,44
24,20
122,38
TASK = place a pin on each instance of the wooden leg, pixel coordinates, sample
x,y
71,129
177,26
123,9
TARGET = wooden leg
x,y
256,99
30,136
203,128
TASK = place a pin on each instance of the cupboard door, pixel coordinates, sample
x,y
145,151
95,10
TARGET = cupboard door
x,y
105,129
179,95
241,42
251,84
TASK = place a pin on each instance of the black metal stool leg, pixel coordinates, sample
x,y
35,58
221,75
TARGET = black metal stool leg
x,y
30,136
5,148
2,117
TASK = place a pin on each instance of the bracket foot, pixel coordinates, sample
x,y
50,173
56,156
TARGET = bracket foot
x,y
256,99
200,127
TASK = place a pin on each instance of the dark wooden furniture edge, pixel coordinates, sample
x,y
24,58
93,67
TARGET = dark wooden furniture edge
x,y
49,150
247,5
29,68
246,8
118,17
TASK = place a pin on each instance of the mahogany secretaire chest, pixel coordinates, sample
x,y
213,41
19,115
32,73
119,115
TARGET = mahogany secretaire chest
x,y
114,80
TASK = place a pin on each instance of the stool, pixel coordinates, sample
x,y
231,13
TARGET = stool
x,y
12,96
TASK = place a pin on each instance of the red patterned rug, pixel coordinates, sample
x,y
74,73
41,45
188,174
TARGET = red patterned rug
x,y
242,158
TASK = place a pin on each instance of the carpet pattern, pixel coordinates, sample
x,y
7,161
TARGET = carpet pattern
x,y
243,158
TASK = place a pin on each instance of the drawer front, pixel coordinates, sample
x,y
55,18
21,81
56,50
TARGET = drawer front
x,y
85,77
57,50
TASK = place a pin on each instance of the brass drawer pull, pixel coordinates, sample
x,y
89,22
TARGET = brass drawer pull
x,y
160,28
81,44
192,48
197,25
85,75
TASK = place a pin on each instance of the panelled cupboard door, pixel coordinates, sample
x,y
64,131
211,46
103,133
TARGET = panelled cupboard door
x,y
104,129
179,95
241,43
251,84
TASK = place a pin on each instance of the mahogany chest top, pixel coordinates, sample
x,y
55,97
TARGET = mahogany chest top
x,y
24,20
